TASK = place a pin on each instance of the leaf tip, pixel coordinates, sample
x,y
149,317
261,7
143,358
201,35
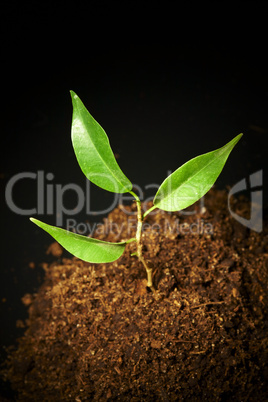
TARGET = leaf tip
x,y
35,221
73,94
236,139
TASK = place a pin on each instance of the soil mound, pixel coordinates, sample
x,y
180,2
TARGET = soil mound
x,y
96,333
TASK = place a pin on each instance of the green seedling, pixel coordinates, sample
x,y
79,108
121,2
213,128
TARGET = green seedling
x,y
182,188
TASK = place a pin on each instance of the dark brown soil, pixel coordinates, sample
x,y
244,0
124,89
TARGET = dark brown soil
x,y
96,333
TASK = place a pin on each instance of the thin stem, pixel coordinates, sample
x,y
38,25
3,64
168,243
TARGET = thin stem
x,y
148,211
135,196
139,243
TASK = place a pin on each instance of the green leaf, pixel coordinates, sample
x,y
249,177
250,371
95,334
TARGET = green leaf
x,y
93,151
192,180
85,248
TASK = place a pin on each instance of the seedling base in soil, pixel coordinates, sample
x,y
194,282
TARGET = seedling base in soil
x,y
95,332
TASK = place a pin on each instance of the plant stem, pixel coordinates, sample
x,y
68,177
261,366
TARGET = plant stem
x,y
149,210
139,243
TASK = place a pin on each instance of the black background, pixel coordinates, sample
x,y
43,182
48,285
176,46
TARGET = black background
x,y
166,82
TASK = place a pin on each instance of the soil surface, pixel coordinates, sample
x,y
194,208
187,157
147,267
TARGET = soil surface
x,y
96,333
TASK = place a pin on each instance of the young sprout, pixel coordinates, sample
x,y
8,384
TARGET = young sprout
x,y
182,188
